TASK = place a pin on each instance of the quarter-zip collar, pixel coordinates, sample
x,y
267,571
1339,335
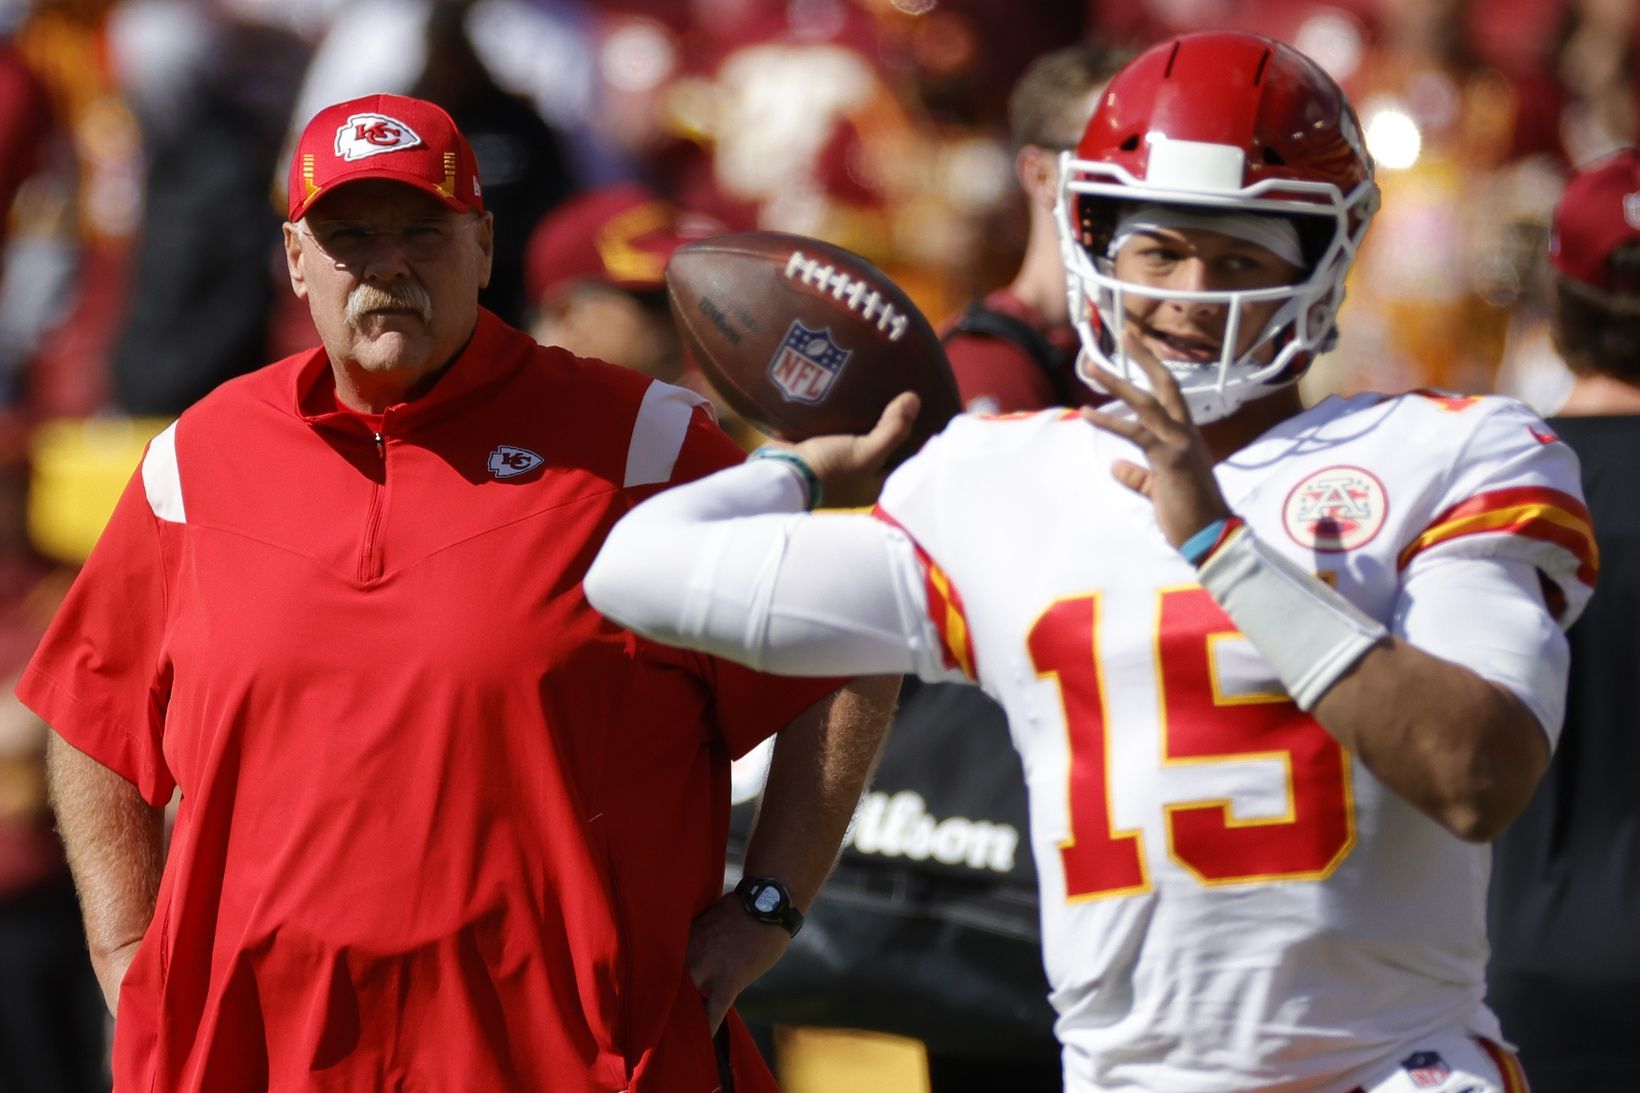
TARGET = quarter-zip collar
x,y
493,353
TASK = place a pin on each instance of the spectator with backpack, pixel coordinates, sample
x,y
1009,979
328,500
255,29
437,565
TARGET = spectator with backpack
x,y
1015,349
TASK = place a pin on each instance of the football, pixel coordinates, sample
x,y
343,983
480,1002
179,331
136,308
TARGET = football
x,y
803,338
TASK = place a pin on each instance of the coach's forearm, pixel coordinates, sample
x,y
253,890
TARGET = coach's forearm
x,y
115,844
820,767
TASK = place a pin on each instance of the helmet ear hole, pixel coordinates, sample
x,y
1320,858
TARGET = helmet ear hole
x,y
1131,144
1273,157
1094,224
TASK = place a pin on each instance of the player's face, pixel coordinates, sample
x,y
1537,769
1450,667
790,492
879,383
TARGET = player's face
x,y
390,275
1196,260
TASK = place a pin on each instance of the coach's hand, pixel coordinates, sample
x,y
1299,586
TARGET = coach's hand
x,y
1179,480
728,949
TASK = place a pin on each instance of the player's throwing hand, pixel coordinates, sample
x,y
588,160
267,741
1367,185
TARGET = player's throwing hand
x,y
851,469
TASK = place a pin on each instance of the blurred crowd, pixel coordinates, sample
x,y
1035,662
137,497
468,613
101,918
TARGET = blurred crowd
x,y
144,143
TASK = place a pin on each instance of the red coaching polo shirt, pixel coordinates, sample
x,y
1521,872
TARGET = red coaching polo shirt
x,y
443,827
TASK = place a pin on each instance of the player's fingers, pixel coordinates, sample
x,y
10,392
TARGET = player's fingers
x,y
1131,475
1164,385
1119,386
1143,403
1121,425
893,426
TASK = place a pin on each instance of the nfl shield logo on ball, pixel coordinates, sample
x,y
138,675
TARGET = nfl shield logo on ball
x,y
807,364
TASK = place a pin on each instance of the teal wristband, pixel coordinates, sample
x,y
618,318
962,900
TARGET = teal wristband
x,y
792,459
1200,546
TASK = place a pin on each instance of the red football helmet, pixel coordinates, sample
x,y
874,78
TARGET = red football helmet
x,y
1220,122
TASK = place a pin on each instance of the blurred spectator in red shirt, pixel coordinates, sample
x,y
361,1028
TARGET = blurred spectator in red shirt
x,y
595,275
25,121
1016,349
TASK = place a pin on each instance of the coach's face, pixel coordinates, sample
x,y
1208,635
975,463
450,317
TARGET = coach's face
x,y
391,277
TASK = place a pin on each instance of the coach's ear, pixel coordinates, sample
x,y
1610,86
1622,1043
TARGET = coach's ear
x,y
293,260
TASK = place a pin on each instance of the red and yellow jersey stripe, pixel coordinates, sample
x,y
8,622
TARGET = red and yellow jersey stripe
x,y
945,609
1531,512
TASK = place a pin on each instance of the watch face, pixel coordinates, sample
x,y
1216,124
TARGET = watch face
x,y
766,900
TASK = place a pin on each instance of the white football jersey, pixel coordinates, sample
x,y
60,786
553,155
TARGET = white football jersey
x,y
1229,900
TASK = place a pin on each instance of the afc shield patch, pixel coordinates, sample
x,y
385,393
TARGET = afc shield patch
x,y
807,364
372,134
1426,1069
510,462
1336,509
1631,210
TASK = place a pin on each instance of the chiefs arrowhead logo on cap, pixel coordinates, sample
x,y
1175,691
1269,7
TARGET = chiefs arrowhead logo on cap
x,y
348,142
372,134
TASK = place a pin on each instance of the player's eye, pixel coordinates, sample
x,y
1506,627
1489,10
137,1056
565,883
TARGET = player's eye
x,y
1259,267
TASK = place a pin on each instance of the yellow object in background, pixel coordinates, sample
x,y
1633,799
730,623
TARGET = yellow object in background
x,y
823,1060
79,469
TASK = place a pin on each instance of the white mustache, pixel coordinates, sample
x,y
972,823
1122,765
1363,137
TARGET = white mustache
x,y
402,295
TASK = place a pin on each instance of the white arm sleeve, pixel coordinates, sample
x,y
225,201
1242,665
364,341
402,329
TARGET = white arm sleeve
x,y
1489,616
732,565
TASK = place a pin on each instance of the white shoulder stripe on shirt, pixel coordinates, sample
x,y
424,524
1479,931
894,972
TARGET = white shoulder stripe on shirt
x,y
657,435
161,478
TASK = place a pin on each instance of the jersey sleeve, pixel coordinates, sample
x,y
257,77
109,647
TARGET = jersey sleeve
x,y
99,677
748,706
1514,492
910,503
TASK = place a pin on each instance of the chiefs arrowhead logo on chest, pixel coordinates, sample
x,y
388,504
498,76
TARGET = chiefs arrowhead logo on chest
x,y
508,461
372,134
1336,509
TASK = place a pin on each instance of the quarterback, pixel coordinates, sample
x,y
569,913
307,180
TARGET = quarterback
x,y
1276,674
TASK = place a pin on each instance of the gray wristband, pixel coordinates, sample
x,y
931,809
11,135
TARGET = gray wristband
x,y
1306,631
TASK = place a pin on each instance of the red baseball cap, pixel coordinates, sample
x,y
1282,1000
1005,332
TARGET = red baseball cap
x,y
1598,213
621,236
384,136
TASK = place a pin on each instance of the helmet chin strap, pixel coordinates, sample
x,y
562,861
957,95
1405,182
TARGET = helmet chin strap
x,y
1206,404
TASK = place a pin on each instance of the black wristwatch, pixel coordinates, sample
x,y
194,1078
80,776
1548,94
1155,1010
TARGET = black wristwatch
x,y
767,900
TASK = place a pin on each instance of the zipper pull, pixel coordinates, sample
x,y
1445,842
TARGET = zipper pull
x,y
381,446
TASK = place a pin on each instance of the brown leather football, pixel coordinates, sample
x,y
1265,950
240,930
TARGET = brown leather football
x,y
803,338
